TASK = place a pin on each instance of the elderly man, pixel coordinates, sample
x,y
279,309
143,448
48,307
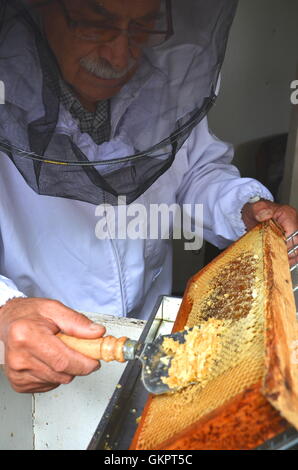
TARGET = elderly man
x,y
105,98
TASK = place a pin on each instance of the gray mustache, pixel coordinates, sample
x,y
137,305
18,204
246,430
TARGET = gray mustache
x,y
101,68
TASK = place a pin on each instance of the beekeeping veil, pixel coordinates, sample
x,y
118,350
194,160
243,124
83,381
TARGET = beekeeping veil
x,y
153,114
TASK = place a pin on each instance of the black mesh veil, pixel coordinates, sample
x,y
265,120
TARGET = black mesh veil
x,y
172,89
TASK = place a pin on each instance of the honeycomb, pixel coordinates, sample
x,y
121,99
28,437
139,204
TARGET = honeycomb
x,y
191,360
230,291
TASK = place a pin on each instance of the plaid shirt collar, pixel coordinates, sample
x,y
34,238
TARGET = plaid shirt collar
x,y
97,125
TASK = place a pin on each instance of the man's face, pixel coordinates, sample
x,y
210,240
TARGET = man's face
x,y
96,70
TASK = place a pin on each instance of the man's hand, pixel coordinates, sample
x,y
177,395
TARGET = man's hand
x,y
285,216
35,359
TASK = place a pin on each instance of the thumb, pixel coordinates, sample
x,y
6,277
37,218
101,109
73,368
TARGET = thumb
x,y
263,210
73,323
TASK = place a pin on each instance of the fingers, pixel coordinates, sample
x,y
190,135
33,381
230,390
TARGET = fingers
x,y
28,340
62,359
285,216
71,322
38,379
29,375
258,212
263,210
30,386
25,382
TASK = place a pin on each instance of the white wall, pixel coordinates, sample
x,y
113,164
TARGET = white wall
x,y
260,64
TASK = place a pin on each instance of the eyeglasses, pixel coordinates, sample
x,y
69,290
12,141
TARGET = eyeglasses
x,y
141,35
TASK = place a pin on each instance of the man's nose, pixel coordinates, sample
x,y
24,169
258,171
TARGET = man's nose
x,y
119,51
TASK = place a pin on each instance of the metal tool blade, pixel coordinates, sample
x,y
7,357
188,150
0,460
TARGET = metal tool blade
x,y
157,362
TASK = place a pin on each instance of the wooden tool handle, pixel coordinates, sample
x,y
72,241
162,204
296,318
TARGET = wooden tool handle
x,y
105,349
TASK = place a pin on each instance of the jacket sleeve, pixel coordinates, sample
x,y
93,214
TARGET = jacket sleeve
x,y
8,289
213,181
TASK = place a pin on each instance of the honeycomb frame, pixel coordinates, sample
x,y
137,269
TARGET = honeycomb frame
x,y
264,366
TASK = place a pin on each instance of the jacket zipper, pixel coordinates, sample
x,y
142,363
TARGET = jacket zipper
x,y
118,263
116,255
